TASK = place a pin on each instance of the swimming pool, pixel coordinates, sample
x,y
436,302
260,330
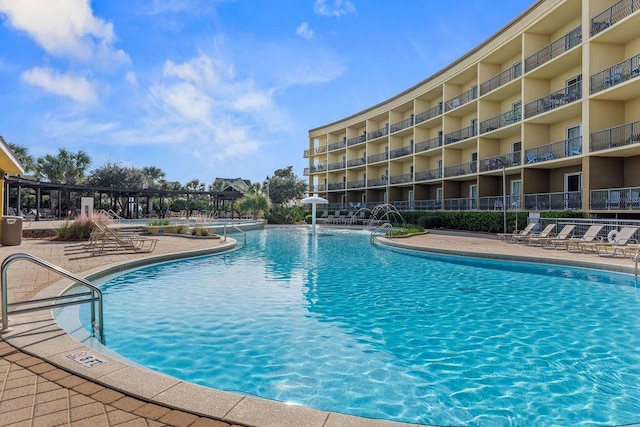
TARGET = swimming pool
x,y
337,324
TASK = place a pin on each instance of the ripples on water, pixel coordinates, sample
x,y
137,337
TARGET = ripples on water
x,y
337,324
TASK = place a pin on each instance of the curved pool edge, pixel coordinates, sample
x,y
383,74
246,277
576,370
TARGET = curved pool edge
x,y
590,264
39,335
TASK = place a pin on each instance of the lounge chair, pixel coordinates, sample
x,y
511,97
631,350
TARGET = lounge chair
x,y
103,238
323,218
564,234
589,236
619,243
547,232
511,237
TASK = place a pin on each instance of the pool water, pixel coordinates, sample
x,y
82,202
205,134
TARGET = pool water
x,y
334,323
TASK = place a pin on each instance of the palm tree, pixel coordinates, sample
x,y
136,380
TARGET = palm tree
x,y
153,175
22,155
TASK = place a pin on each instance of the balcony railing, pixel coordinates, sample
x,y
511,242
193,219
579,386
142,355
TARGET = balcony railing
x,y
556,150
460,204
429,174
336,186
401,125
618,136
619,73
427,205
503,119
306,154
315,169
429,114
558,47
337,165
337,145
377,157
356,140
376,182
615,13
429,144
627,198
399,152
503,78
495,203
401,179
497,162
462,99
460,134
378,133
356,184
356,162
568,200
554,100
316,188
460,169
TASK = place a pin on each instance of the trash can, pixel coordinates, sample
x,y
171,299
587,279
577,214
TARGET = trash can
x,y
11,232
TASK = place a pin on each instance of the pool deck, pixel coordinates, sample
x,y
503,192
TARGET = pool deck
x,y
41,385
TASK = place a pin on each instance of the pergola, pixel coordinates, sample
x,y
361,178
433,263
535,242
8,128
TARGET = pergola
x,y
129,209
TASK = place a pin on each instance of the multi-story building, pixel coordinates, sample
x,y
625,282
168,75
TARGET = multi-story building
x,y
546,110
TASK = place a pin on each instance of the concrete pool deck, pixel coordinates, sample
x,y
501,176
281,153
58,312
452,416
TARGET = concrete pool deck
x,y
41,385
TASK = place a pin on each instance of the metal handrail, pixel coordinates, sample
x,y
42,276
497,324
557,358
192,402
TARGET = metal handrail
x,y
236,227
380,228
93,295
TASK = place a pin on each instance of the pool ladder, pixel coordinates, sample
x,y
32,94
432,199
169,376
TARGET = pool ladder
x,y
384,226
92,295
236,228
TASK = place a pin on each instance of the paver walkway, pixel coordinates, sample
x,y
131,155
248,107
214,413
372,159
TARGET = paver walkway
x,y
36,393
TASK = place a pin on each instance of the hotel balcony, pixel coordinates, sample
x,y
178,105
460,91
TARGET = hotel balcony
x,y
429,174
400,152
501,120
401,125
356,162
429,114
460,169
460,134
376,182
401,179
337,145
336,186
501,79
427,205
315,169
357,140
356,184
615,13
317,150
378,133
498,162
317,188
377,158
619,73
462,99
496,203
555,150
554,100
337,165
460,204
571,39
429,144
618,136
627,198
562,201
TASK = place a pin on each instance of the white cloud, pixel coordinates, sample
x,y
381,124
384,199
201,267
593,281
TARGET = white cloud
x,y
131,78
75,87
65,28
304,31
335,8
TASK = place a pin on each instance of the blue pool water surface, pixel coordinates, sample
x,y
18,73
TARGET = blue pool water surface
x,y
334,323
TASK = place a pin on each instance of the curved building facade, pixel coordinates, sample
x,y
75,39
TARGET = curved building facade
x,y
548,108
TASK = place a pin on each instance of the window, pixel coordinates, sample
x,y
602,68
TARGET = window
x,y
516,186
574,141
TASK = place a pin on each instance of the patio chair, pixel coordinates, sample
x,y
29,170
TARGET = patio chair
x,y
104,238
531,157
551,241
547,232
589,236
323,218
510,237
619,243
614,200
633,202
497,205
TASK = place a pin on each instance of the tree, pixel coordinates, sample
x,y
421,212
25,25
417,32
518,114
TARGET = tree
x,y
66,167
252,203
218,185
22,155
152,176
284,186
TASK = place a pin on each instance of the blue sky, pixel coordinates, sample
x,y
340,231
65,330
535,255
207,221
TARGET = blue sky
x,y
216,88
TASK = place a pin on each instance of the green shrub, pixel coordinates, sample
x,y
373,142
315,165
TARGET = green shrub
x,y
430,222
159,222
200,231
